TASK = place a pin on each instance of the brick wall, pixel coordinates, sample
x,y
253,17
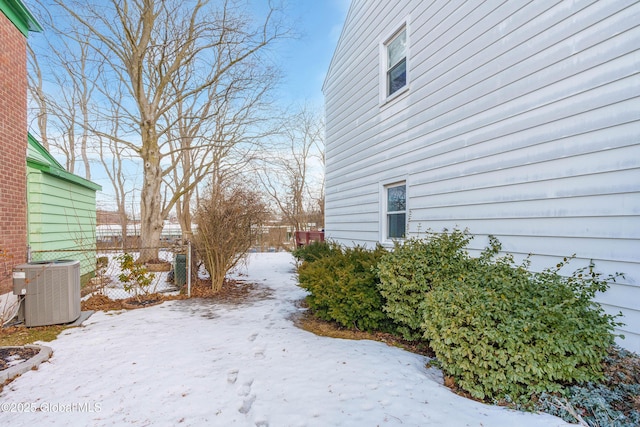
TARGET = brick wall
x,y
13,149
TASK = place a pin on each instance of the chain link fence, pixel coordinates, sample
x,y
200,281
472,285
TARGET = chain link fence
x,y
101,269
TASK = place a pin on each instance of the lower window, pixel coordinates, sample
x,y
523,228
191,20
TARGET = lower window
x,y
396,216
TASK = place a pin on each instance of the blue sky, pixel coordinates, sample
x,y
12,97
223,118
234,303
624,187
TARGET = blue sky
x,y
306,60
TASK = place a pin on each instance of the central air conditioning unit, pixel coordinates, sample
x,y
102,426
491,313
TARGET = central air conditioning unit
x,y
50,291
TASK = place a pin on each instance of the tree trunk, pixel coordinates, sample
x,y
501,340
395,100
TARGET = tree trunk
x,y
183,211
151,221
84,138
124,222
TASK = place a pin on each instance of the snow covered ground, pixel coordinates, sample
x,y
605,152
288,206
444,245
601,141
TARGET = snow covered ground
x,y
202,363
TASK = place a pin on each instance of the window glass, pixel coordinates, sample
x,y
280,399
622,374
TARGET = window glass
x,y
397,77
396,198
396,225
396,49
396,211
397,63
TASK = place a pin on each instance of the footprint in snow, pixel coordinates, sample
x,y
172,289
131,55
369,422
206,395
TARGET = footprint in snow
x,y
246,404
253,336
245,388
245,391
232,376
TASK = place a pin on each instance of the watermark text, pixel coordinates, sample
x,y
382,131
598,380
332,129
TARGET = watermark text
x,y
50,407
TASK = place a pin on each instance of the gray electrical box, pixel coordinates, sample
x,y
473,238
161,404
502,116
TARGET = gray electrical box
x,y
51,291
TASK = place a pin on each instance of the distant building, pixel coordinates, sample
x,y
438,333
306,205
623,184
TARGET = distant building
x,y
110,235
107,217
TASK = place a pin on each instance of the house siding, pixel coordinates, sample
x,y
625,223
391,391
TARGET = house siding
x,y
62,219
13,148
521,121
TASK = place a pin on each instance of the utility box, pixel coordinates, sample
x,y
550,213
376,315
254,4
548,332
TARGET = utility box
x,y
180,270
51,291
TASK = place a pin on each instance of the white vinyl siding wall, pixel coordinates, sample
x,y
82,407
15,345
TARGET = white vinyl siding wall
x,y
520,120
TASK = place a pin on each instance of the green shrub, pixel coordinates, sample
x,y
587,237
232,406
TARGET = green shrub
x,y
408,273
503,331
134,276
343,287
314,251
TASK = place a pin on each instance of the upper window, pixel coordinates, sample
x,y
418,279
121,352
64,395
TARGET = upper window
x,y
396,215
397,62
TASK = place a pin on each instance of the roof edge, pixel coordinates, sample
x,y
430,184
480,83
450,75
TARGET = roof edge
x,y
20,16
31,140
338,45
54,168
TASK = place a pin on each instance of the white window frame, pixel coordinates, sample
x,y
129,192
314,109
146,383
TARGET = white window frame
x,y
385,67
384,212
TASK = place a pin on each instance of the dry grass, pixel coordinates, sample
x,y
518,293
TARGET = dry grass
x,y
307,321
21,335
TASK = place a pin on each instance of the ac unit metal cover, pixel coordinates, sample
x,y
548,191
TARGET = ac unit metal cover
x,y
51,291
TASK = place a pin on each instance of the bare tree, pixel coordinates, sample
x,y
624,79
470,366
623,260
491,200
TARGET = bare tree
x,y
66,110
113,154
287,175
228,221
216,136
147,46
38,95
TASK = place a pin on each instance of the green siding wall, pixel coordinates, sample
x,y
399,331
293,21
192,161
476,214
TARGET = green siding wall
x,y
61,218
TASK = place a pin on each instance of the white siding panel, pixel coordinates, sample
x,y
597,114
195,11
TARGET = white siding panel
x,y
617,182
360,200
631,340
524,52
622,296
620,249
618,227
357,237
532,150
558,118
612,105
602,205
629,318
